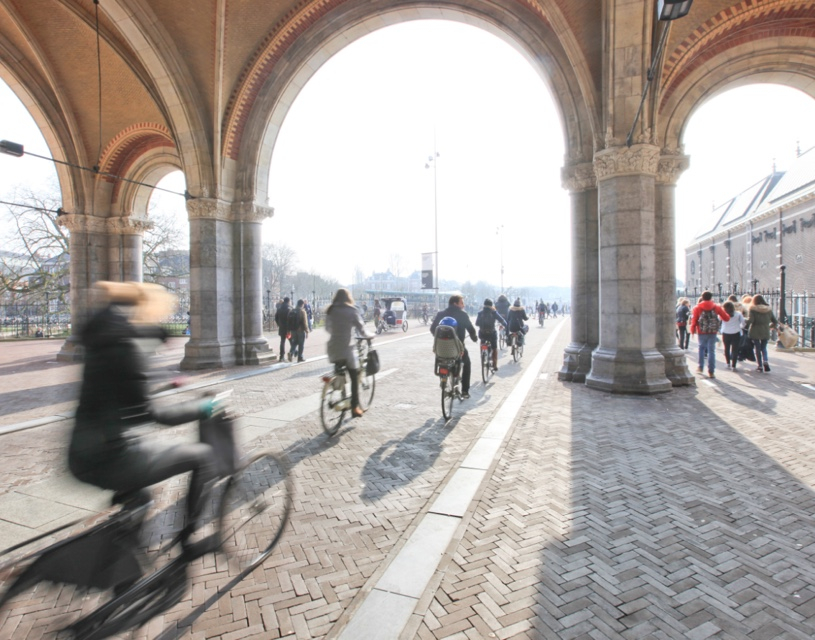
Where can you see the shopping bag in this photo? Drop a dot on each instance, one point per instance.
(787, 336)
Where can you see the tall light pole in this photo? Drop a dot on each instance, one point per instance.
(433, 160)
(500, 233)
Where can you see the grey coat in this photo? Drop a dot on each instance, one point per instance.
(340, 322)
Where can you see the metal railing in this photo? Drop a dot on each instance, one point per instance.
(798, 308)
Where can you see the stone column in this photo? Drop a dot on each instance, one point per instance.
(126, 259)
(212, 282)
(626, 359)
(671, 166)
(581, 182)
(88, 248)
(249, 338)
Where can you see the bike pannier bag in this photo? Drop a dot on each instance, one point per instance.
(372, 365)
(219, 432)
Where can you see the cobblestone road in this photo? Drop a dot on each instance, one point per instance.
(687, 515)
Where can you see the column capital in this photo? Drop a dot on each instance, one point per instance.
(620, 161)
(128, 226)
(82, 223)
(672, 164)
(209, 209)
(578, 177)
(251, 212)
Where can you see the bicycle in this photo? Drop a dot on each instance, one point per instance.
(541, 316)
(449, 371)
(250, 505)
(486, 360)
(336, 397)
(502, 337)
(516, 345)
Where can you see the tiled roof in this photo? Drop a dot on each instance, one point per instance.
(769, 192)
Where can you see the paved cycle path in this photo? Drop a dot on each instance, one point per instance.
(686, 515)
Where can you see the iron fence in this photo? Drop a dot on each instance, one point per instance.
(35, 319)
(796, 308)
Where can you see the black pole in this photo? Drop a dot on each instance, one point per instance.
(783, 308)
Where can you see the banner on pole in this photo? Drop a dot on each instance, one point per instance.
(427, 271)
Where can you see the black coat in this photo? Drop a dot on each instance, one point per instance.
(463, 327)
(114, 393)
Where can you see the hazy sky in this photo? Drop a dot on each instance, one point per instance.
(349, 183)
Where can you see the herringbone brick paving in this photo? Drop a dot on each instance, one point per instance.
(682, 516)
(688, 515)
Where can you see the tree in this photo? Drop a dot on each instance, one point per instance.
(36, 256)
(279, 261)
(162, 250)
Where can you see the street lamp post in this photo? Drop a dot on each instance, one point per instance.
(433, 160)
(500, 233)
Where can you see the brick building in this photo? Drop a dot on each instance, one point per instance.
(769, 224)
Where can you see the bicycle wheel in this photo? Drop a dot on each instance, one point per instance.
(367, 386)
(447, 396)
(520, 351)
(486, 364)
(45, 610)
(502, 339)
(142, 602)
(515, 351)
(254, 510)
(332, 405)
(404, 326)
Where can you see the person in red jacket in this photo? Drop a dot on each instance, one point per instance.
(705, 323)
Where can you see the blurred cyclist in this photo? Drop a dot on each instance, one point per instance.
(114, 398)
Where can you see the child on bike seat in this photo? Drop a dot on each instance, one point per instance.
(114, 398)
(446, 343)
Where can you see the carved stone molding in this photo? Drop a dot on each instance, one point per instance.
(620, 161)
(671, 167)
(209, 209)
(128, 226)
(251, 212)
(578, 177)
(77, 222)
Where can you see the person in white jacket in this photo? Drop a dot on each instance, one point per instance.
(731, 334)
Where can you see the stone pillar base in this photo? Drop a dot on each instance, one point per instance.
(676, 367)
(256, 352)
(628, 371)
(576, 363)
(71, 351)
(199, 354)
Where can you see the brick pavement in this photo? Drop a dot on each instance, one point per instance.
(682, 515)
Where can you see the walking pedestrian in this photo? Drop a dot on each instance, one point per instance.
(298, 326)
(281, 318)
(759, 322)
(682, 317)
(706, 320)
(731, 334)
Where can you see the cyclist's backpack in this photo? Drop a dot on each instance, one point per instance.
(446, 343)
(709, 322)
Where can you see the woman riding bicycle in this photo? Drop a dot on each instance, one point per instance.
(114, 398)
(342, 319)
(485, 321)
(515, 320)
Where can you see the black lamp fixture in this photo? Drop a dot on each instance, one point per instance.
(667, 10)
(673, 9)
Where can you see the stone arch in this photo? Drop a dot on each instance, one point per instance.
(181, 100)
(145, 153)
(55, 129)
(282, 67)
(745, 44)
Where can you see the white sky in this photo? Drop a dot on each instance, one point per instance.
(349, 184)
